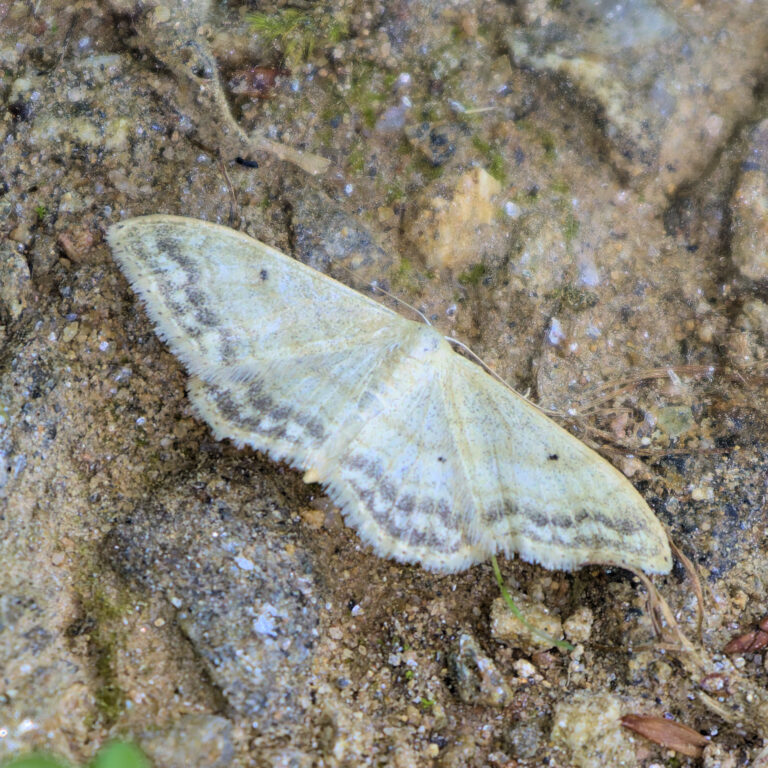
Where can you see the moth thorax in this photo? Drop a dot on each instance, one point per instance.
(426, 343)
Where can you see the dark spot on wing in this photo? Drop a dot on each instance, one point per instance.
(195, 296)
(387, 491)
(369, 467)
(282, 414)
(170, 246)
(446, 514)
(622, 525)
(498, 512)
(206, 317)
(227, 348)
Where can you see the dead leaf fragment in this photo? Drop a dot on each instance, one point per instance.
(76, 244)
(749, 642)
(254, 82)
(667, 733)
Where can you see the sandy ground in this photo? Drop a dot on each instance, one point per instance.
(577, 190)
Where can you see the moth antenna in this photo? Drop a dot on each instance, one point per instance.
(479, 360)
(376, 287)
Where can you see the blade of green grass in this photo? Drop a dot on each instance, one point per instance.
(563, 645)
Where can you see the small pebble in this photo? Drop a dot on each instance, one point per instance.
(244, 563)
(162, 14)
(525, 669)
(578, 626)
(507, 627)
(21, 234)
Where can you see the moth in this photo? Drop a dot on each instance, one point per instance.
(429, 458)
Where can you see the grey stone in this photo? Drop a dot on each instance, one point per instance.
(330, 240)
(195, 741)
(749, 205)
(475, 675)
(626, 62)
(15, 284)
(253, 629)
